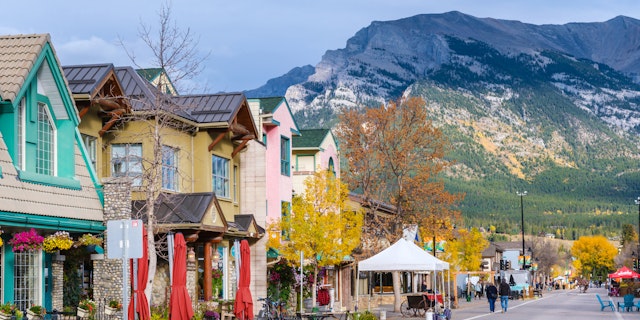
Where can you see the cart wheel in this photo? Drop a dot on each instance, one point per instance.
(422, 307)
(404, 309)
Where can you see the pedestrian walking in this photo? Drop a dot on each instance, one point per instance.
(505, 292)
(492, 295)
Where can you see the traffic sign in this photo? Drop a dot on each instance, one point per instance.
(124, 239)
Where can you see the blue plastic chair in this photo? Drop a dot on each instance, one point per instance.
(603, 305)
(627, 304)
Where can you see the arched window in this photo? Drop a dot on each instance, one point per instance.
(332, 167)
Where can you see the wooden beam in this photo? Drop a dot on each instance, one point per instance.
(115, 115)
(239, 147)
(84, 111)
(208, 290)
(217, 139)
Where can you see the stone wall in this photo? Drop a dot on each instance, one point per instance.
(108, 279)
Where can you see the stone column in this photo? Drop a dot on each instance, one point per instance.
(108, 279)
(57, 292)
(192, 280)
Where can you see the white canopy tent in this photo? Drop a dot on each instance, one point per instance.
(403, 255)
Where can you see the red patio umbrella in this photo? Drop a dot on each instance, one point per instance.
(143, 275)
(243, 307)
(180, 304)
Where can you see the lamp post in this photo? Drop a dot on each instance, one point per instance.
(638, 203)
(522, 194)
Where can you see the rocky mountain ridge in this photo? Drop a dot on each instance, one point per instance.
(550, 108)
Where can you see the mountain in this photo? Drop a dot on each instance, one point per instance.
(552, 109)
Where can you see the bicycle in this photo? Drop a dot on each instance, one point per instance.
(271, 310)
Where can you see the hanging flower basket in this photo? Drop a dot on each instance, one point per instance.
(60, 240)
(88, 239)
(82, 313)
(26, 241)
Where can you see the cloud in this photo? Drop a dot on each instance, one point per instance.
(91, 50)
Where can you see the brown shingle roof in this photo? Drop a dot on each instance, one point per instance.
(17, 56)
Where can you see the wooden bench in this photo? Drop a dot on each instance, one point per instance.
(537, 293)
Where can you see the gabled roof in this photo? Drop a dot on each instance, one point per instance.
(212, 108)
(181, 209)
(149, 74)
(87, 78)
(18, 54)
(137, 89)
(269, 105)
(310, 138)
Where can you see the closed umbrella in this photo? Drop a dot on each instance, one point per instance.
(243, 307)
(143, 275)
(180, 304)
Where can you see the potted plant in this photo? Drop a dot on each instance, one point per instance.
(6, 310)
(26, 241)
(86, 308)
(113, 307)
(36, 312)
(61, 240)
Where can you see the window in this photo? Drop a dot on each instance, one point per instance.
(235, 184)
(91, 143)
(126, 161)
(332, 167)
(285, 156)
(21, 134)
(169, 168)
(26, 279)
(45, 143)
(220, 176)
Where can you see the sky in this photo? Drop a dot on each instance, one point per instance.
(247, 42)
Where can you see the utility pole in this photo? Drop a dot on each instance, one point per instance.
(638, 249)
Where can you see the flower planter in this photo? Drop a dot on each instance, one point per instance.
(82, 313)
(34, 316)
(4, 316)
(110, 311)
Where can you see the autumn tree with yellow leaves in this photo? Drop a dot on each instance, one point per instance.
(593, 256)
(320, 225)
(394, 156)
(464, 253)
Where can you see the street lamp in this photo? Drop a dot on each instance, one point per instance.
(522, 194)
(638, 203)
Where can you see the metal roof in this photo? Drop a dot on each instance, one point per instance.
(137, 89)
(212, 108)
(18, 54)
(86, 78)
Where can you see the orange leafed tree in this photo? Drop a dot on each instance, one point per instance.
(394, 155)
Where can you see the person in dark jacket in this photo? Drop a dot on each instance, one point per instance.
(492, 295)
(505, 292)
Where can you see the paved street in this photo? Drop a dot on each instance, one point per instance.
(554, 305)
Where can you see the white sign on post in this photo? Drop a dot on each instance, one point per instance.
(124, 235)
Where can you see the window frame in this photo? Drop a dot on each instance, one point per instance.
(220, 176)
(285, 156)
(130, 161)
(46, 141)
(170, 171)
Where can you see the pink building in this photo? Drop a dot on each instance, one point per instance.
(276, 127)
(313, 150)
